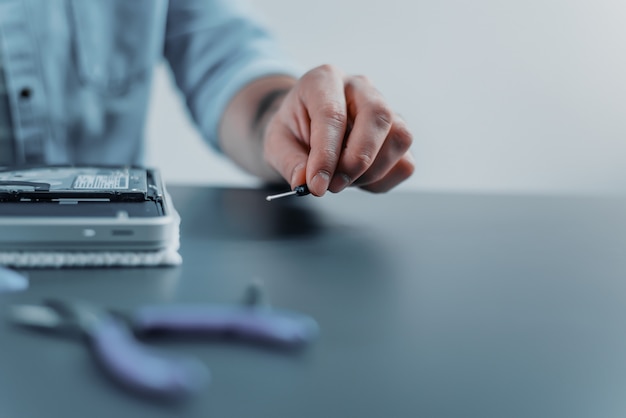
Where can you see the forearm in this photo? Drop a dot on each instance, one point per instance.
(243, 123)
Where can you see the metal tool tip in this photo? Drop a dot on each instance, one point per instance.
(278, 196)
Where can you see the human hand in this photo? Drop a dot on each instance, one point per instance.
(332, 131)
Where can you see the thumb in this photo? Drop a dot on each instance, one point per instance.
(287, 155)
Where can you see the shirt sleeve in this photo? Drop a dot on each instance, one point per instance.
(215, 48)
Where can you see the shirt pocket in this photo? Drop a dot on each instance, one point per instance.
(115, 43)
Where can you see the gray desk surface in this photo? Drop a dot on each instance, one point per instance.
(430, 305)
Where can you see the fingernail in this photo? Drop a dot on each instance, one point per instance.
(340, 182)
(298, 175)
(320, 182)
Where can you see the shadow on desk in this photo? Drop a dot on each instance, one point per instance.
(244, 214)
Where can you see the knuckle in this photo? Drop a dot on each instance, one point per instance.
(330, 157)
(360, 79)
(335, 114)
(324, 158)
(322, 71)
(402, 138)
(362, 161)
(381, 115)
(326, 68)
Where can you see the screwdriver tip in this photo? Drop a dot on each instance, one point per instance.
(298, 191)
(280, 195)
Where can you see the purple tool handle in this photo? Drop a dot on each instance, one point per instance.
(265, 325)
(138, 368)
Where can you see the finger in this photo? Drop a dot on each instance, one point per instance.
(397, 143)
(372, 121)
(403, 169)
(324, 98)
(286, 154)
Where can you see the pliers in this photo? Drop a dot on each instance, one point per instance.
(113, 337)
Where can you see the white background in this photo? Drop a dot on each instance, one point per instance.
(515, 96)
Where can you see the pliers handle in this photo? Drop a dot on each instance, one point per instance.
(256, 324)
(111, 337)
(121, 356)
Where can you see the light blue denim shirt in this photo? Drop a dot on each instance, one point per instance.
(78, 72)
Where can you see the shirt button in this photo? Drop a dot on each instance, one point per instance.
(26, 93)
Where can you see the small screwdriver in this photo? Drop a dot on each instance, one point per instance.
(301, 190)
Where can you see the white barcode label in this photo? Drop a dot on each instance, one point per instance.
(118, 180)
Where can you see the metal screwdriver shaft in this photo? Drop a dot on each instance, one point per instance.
(298, 191)
(278, 196)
